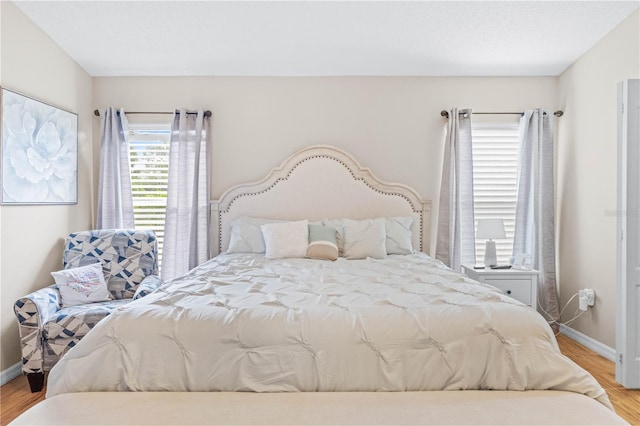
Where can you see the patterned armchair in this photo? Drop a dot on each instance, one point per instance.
(47, 330)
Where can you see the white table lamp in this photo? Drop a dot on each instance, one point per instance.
(490, 229)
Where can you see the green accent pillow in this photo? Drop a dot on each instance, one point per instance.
(322, 243)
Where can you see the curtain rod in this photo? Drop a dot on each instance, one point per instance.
(207, 113)
(445, 113)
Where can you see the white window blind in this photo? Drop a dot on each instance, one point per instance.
(495, 175)
(149, 157)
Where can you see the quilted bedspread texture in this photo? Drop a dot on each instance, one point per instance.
(240, 322)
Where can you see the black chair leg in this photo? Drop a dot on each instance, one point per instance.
(36, 381)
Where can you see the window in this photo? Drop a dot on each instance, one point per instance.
(495, 176)
(149, 159)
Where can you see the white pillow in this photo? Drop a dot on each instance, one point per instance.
(339, 227)
(399, 238)
(79, 286)
(364, 238)
(286, 239)
(246, 235)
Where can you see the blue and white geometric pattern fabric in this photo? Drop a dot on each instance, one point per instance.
(32, 311)
(147, 286)
(127, 256)
(65, 329)
(48, 332)
(76, 321)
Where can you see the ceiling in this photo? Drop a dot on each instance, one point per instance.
(300, 38)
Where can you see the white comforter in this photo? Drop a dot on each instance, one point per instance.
(244, 323)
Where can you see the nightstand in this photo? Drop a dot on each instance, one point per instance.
(521, 285)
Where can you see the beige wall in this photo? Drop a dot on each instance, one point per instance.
(586, 174)
(390, 124)
(32, 236)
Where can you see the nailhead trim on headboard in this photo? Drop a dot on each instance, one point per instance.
(365, 179)
(251, 194)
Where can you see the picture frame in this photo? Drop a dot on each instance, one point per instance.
(39, 152)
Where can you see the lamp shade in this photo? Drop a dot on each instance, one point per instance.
(490, 228)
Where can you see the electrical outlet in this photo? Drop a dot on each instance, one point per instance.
(586, 298)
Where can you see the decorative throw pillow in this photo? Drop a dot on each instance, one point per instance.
(322, 243)
(286, 239)
(79, 286)
(246, 235)
(399, 238)
(338, 225)
(364, 238)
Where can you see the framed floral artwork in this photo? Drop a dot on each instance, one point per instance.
(39, 152)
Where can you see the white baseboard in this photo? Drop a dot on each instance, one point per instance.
(596, 346)
(10, 373)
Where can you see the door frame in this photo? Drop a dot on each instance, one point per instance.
(628, 240)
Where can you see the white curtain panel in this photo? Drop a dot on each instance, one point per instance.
(115, 200)
(187, 220)
(455, 244)
(535, 209)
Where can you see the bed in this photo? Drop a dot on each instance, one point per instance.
(375, 338)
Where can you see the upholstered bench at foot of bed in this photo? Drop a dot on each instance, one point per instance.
(320, 408)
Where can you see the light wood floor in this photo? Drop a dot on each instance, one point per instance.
(16, 398)
(625, 401)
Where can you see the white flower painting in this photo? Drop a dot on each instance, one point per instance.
(39, 152)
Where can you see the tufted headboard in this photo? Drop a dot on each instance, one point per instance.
(315, 183)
